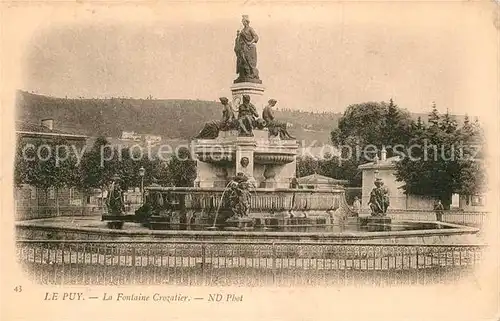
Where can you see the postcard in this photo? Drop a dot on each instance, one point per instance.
(250, 160)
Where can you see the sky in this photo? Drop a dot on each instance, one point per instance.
(337, 56)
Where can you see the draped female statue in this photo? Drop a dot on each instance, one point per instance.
(246, 53)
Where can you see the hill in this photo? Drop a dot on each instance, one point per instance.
(169, 118)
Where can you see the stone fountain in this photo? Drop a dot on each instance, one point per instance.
(246, 187)
(250, 143)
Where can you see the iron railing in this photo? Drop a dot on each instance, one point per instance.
(249, 263)
(469, 218)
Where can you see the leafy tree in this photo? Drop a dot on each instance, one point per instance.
(25, 165)
(330, 166)
(129, 164)
(472, 166)
(306, 165)
(361, 124)
(371, 123)
(181, 169)
(396, 129)
(96, 170)
(442, 163)
(45, 164)
(341, 169)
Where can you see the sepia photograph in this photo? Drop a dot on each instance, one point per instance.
(252, 146)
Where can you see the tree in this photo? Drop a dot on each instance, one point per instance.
(25, 164)
(128, 166)
(364, 129)
(472, 167)
(340, 169)
(361, 124)
(443, 163)
(181, 169)
(434, 116)
(96, 170)
(306, 165)
(396, 129)
(46, 164)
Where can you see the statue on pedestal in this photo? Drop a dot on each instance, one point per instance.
(212, 128)
(239, 196)
(275, 127)
(153, 204)
(247, 117)
(228, 117)
(379, 199)
(116, 204)
(246, 53)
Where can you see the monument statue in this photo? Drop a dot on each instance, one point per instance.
(212, 128)
(116, 204)
(274, 126)
(227, 114)
(379, 199)
(239, 196)
(246, 53)
(247, 117)
(153, 204)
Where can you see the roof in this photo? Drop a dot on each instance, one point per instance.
(388, 163)
(320, 179)
(35, 129)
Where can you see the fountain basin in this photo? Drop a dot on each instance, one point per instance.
(92, 228)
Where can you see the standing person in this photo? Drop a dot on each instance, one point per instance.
(356, 205)
(438, 208)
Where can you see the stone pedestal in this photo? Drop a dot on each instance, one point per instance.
(206, 175)
(239, 223)
(376, 223)
(269, 177)
(255, 91)
(115, 225)
(374, 220)
(268, 163)
(245, 147)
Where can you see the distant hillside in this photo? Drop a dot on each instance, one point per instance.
(109, 117)
(170, 118)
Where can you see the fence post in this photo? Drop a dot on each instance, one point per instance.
(203, 260)
(274, 262)
(133, 263)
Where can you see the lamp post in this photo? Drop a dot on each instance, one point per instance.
(142, 171)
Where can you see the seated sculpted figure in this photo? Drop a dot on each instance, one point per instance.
(211, 129)
(379, 199)
(274, 126)
(247, 117)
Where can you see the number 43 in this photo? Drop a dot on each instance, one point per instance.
(18, 289)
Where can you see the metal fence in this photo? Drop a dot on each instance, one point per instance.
(476, 219)
(248, 264)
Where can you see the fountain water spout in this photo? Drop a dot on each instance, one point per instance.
(213, 227)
